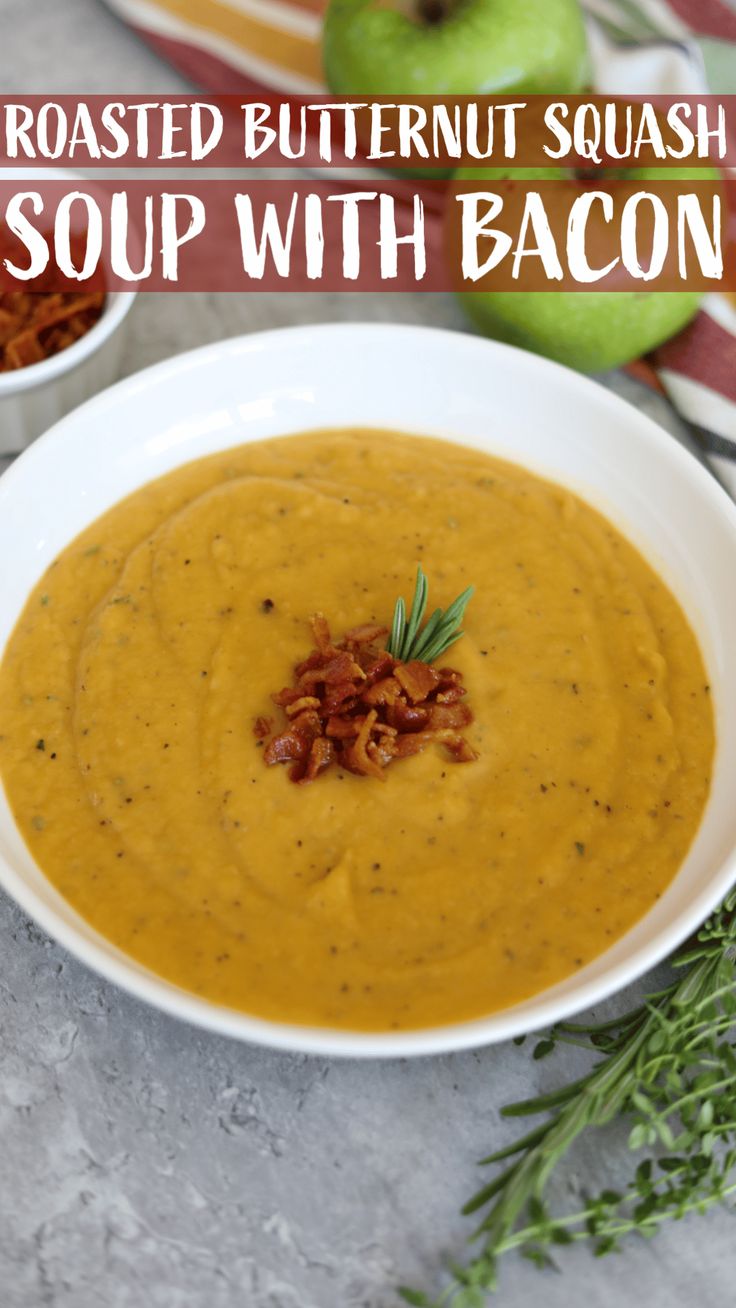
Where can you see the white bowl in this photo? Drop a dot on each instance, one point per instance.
(33, 398)
(447, 384)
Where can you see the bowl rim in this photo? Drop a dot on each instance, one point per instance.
(82, 940)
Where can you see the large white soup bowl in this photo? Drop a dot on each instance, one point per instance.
(463, 389)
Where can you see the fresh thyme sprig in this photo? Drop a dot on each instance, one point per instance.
(669, 1065)
(409, 640)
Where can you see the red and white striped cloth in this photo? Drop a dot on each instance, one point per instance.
(681, 47)
(637, 46)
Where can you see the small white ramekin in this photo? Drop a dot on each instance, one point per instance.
(34, 398)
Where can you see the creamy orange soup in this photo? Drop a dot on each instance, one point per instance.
(129, 689)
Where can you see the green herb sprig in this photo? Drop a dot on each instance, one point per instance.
(409, 640)
(669, 1066)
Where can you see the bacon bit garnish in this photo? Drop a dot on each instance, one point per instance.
(299, 705)
(262, 727)
(451, 695)
(320, 756)
(452, 716)
(321, 633)
(417, 679)
(385, 691)
(461, 750)
(343, 728)
(354, 705)
(368, 634)
(408, 717)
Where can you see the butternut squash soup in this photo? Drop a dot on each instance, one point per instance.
(443, 891)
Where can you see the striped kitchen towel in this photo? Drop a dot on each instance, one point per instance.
(675, 47)
(235, 45)
(668, 47)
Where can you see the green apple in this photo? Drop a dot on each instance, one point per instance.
(588, 330)
(592, 331)
(454, 47)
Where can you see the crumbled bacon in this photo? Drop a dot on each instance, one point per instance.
(299, 705)
(354, 705)
(418, 680)
(36, 325)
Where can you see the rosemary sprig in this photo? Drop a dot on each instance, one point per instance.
(409, 640)
(669, 1066)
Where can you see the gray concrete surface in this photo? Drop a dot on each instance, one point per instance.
(145, 1164)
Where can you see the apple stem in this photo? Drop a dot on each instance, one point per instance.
(433, 11)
